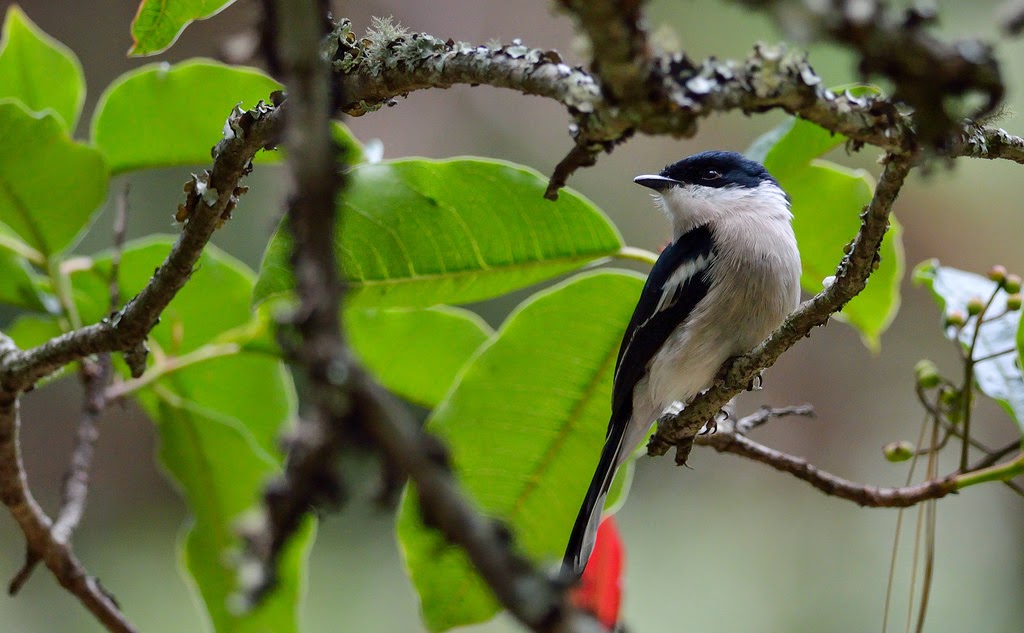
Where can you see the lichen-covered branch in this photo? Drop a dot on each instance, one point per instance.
(679, 92)
(850, 279)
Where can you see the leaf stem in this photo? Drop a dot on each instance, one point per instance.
(1000, 472)
(169, 365)
(18, 247)
(61, 281)
(637, 255)
(968, 386)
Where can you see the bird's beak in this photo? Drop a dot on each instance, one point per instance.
(658, 183)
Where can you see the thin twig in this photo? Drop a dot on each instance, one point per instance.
(967, 388)
(727, 441)
(94, 375)
(766, 414)
(36, 526)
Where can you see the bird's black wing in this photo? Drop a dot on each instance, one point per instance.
(676, 284)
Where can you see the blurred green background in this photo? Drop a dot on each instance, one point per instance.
(725, 546)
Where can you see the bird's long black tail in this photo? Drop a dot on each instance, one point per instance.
(584, 532)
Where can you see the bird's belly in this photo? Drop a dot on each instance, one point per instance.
(682, 369)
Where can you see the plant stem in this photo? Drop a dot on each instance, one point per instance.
(967, 391)
(170, 365)
(637, 255)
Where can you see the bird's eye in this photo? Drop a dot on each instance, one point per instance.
(710, 174)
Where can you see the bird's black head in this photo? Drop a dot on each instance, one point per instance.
(710, 169)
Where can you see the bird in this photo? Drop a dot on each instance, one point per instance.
(728, 278)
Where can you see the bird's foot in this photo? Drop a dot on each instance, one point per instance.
(755, 383)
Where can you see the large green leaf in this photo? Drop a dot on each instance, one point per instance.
(525, 426)
(417, 354)
(827, 202)
(998, 377)
(219, 420)
(422, 232)
(161, 115)
(158, 23)
(39, 71)
(50, 186)
(220, 471)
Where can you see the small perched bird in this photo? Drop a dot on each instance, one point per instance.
(729, 277)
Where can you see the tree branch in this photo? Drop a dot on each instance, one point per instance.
(728, 440)
(376, 69)
(730, 437)
(42, 541)
(851, 277)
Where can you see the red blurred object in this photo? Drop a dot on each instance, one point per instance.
(600, 589)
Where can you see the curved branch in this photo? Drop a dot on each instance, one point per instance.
(730, 437)
(374, 70)
(727, 441)
(43, 542)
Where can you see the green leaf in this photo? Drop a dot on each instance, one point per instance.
(998, 377)
(221, 471)
(525, 426)
(158, 23)
(219, 420)
(827, 202)
(417, 233)
(39, 71)
(161, 115)
(417, 354)
(51, 186)
(352, 151)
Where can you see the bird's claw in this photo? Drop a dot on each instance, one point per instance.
(755, 383)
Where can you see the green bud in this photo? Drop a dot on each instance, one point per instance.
(1013, 302)
(975, 306)
(956, 318)
(997, 274)
(950, 397)
(898, 451)
(927, 374)
(1012, 284)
